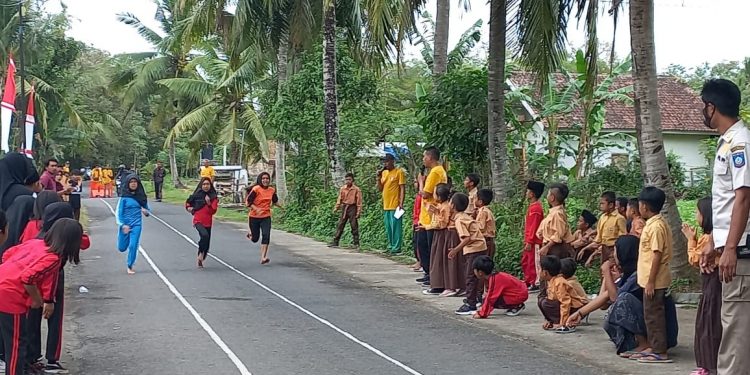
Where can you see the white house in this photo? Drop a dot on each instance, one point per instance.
(681, 120)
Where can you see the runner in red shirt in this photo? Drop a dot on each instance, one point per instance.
(203, 204)
(28, 276)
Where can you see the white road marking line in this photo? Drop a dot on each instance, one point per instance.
(295, 305)
(206, 327)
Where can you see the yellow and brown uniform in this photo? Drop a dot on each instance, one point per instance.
(350, 203)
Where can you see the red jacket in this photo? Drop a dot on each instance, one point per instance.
(417, 210)
(205, 215)
(31, 231)
(34, 227)
(534, 217)
(505, 286)
(29, 263)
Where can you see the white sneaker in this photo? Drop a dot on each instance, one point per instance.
(2, 366)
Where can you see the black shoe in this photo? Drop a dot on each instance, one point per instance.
(516, 310)
(333, 245)
(534, 289)
(432, 291)
(426, 283)
(466, 309)
(423, 279)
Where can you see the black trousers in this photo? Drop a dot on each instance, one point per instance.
(260, 228)
(54, 328)
(13, 332)
(205, 238)
(157, 188)
(424, 244)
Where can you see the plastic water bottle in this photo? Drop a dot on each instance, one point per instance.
(83, 289)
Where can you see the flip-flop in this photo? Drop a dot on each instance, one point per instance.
(654, 358)
(628, 354)
(265, 261)
(638, 355)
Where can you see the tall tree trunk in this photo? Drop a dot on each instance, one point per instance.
(583, 144)
(442, 22)
(496, 127)
(653, 156)
(282, 55)
(551, 147)
(330, 110)
(173, 166)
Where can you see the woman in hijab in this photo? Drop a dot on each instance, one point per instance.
(133, 204)
(43, 199)
(51, 214)
(14, 170)
(624, 321)
(262, 196)
(202, 204)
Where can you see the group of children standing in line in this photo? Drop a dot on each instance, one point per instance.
(454, 244)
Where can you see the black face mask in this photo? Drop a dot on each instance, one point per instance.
(706, 118)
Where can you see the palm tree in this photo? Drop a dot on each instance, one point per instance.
(442, 23)
(169, 61)
(496, 128)
(648, 124)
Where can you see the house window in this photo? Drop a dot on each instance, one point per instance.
(619, 160)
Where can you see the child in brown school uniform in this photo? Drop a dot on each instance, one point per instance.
(568, 269)
(655, 252)
(455, 268)
(472, 246)
(584, 234)
(621, 206)
(611, 225)
(350, 204)
(636, 221)
(554, 231)
(441, 217)
(561, 299)
(471, 184)
(708, 330)
(486, 219)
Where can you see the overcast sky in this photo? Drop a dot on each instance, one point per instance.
(688, 32)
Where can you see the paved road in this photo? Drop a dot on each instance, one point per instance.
(238, 317)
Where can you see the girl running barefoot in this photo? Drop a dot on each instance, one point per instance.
(203, 204)
(261, 198)
(133, 203)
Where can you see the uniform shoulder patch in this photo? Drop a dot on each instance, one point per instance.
(738, 148)
(739, 159)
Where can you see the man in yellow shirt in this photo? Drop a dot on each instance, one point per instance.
(207, 170)
(392, 183)
(427, 185)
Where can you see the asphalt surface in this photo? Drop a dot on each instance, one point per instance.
(239, 317)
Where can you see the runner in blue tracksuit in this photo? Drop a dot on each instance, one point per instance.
(133, 204)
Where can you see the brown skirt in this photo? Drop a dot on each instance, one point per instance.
(455, 275)
(437, 263)
(708, 323)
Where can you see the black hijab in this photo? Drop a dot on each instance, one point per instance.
(15, 168)
(627, 254)
(52, 213)
(18, 215)
(139, 194)
(44, 199)
(198, 199)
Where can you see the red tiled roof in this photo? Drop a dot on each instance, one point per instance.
(681, 107)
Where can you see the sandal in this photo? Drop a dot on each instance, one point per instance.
(628, 354)
(638, 355)
(654, 358)
(548, 326)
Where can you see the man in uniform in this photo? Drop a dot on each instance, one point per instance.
(392, 184)
(731, 204)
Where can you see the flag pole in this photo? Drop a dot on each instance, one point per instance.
(21, 120)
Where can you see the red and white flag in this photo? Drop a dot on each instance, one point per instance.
(8, 106)
(30, 122)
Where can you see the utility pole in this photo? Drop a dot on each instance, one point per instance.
(21, 119)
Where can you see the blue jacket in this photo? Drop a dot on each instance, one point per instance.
(129, 212)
